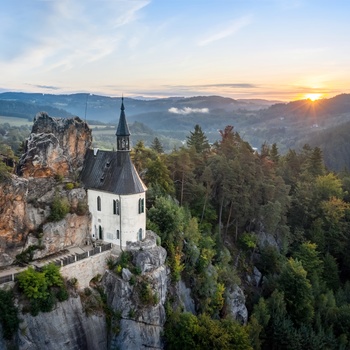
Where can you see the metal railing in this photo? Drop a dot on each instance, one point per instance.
(64, 261)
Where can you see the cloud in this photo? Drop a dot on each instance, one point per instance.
(231, 29)
(187, 110)
(233, 86)
(50, 87)
(64, 34)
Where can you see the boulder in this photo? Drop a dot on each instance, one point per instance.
(235, 301)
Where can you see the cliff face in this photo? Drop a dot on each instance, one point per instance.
(54, 151)
(55, 147)
(138, 298)
(67, 327)
(142, 320)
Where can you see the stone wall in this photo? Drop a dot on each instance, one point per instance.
(84, 270)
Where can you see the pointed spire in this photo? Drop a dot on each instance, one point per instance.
(123, 129)
(123, 133)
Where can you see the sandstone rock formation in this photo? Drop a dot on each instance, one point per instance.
(141, 324)
(66, 327)
(55, 147)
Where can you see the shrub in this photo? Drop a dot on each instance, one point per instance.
(47, 304)
(69, 186)
(62, 294)
(33, 284)
(52, 275)
(146, 295)
(59, 208)
(27, 255)
(82, 208)
(40, 287)
(111, 263)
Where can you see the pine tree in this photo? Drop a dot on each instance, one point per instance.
(198, 140)
(157, 146)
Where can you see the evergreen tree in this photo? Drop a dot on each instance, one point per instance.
(198, 140)
(157, 146)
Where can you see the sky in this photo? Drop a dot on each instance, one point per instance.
(270, 49)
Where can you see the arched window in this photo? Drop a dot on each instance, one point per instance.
(141, 205)
(98, 203)
(116, 207)
(140, 234)
(118, 234)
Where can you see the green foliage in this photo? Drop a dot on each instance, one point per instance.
(42, 288)
(309, 257)
(52, 275)
(168, 219)
(82, 208)
(157, 146)
(146, 294)
(158, 174)
(59, 208)
(27, 255)
(33, 284)
(62, 294)
(5, 172)
(69, 186)
(248, 241)
(8, 314)
(297, 291)
(198, 140)
(187, 331)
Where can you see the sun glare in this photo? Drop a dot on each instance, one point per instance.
(313, 97)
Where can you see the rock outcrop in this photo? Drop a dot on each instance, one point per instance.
(24, 213)
(55, 147)
(66, 327)
(54, 150)
(142, 320)
(235, 301)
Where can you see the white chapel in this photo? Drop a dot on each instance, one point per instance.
(116, 194)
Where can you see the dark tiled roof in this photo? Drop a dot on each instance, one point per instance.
(123, 129)
(111, 172)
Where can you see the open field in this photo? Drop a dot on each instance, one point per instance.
(13, 121)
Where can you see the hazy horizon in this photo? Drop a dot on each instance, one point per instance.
(255, 49)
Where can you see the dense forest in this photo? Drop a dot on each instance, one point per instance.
(225, 210)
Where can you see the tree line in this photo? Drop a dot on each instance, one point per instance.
(223, 209)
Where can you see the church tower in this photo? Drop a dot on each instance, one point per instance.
(123, 133)
(116, 194)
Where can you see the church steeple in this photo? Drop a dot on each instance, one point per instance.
(123, 133)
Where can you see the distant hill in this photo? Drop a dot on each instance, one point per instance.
(335, 146)
(13, 108)
(106, 109)
(258, 121)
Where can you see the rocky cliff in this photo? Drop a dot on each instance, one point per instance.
(55, 147)
(134, 300)
(140, 299)
(67, 327)
(53, 156)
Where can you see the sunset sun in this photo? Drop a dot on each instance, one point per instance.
(313, 96)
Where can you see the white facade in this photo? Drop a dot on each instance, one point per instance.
(117, 218)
